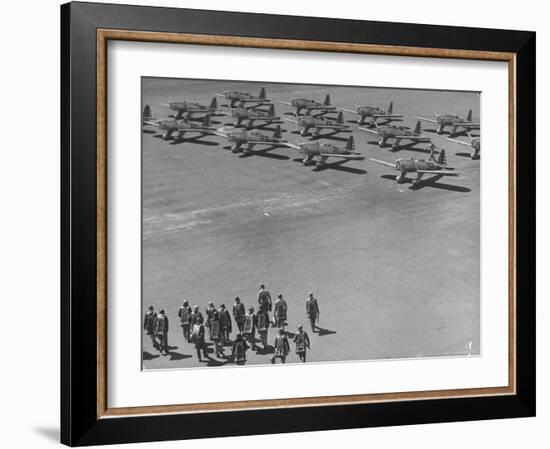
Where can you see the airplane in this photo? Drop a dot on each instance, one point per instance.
(307, 122)
(374, 113)
(323, 151)
(452, 120)
(189, 108)
(236, 97)
(420, 166)
(474, 142)
(171, 125)
(252, 115)
(398, 133)
(250, 138)
(309, 105)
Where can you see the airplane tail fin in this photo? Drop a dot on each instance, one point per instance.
(418, 128)
(340, 118)
(327, 100)
(262, 94)
(469, 117)
(442, 159)
(390, 108)
(147, 115)
(214, 103)
(206, 121)
(272, 109)
(277, 133)
(350, 146)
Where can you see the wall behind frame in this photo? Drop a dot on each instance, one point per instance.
(29, 188)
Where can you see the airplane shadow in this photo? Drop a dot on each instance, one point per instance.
(411, 147)
(149, 356)
(265, 152)
(338, 166)
(149, 131)
(464, 154)
(321, 332)
(431, 182)
(333, 136)
(196, 140)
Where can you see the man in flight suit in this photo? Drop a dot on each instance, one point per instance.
(282, 347)
(312, 311)
(161, 331)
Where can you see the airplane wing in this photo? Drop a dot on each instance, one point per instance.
(290, 145)
(389, 164)
(289, 120)
(165, 104)
(284, 102)
(369, 130)
(347, 110)
(439, 172)
(469, 125)
(150, 122)
(321, 106)
(335, 126)
(219, 95)
(266, 142)
(461, 142)
(219, 133)
(343, 156)
(424, 119)
(387, 116)
(415, 138)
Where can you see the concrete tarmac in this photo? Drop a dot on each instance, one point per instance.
(396, 270)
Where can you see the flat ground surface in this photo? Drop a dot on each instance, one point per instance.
(396, 270)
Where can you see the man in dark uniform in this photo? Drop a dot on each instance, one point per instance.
(301, 338)
(282, 347)
(239, 349)
(312, 311)
(279, 313)
(262, 323)
(149, 325)
(197, 337)
(161, 331)
(238, 313)
(215, 333)
(264, 299)
(225, 324)
(249, 327)
(210, 310)
(184, 314)
(196, 317)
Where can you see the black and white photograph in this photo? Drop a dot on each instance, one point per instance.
(302, 223)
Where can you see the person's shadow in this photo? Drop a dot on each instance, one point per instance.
(149, 356)
(321, 332)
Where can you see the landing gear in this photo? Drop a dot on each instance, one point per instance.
(401, 178)
(308, 160)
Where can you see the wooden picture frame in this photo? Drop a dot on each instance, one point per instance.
(86, 29)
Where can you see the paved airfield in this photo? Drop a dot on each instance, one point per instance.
(395, 270)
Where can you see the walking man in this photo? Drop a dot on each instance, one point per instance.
(262, 322)
(149, 325)
(301, 339)
(264, 299)
(279, 313)
(239, 349)
(216, 333)
(238, 313)
(184, 314)
(312, 311)
(210, 310)
(197, 337)
(282, 347)
(161, 331)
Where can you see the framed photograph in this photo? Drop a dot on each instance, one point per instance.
(283, 224)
